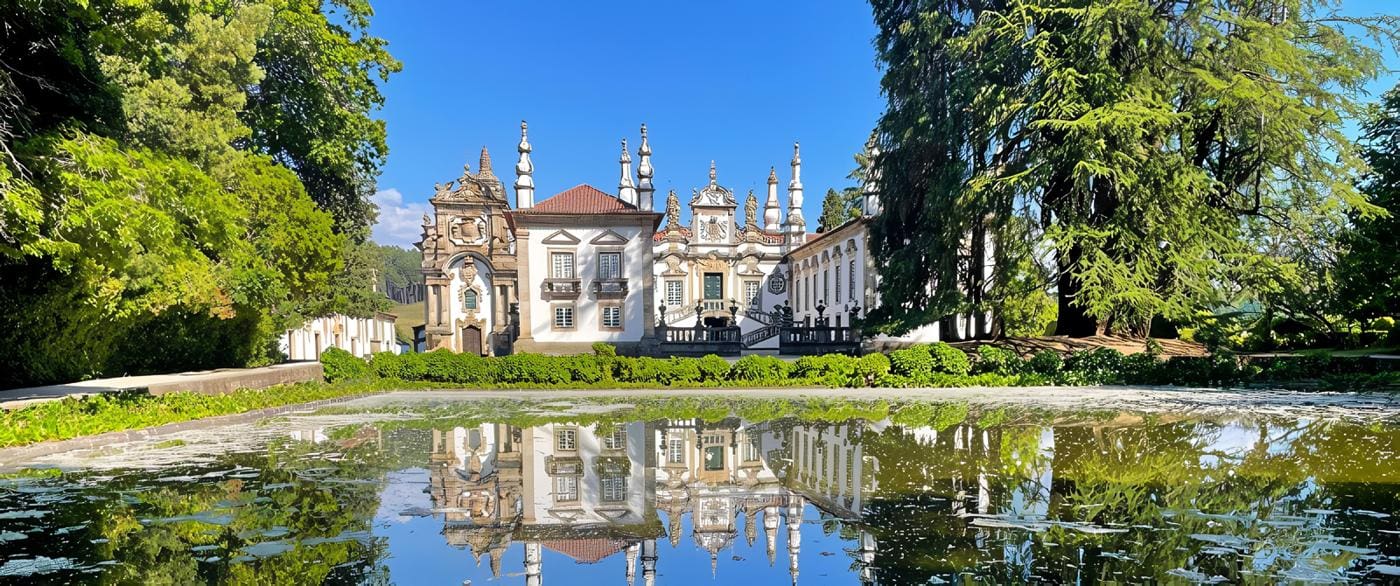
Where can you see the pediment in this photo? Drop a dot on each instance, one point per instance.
(561, 237)
(609, 237)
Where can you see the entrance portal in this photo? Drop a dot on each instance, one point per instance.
(471, 340)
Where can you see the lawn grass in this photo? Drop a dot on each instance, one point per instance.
(410, 316)
(74, 417)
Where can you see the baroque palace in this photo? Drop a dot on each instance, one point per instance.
(586, 266)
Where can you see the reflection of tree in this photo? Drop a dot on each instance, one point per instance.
(304, 518)
(1172, 498)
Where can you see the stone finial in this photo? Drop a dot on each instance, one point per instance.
(772, 175)
(524, 172)
(645, 172)
(626, 191)
(485, 163)
(713, 175)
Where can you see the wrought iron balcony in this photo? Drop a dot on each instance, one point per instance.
(553, 289)
(609, 288)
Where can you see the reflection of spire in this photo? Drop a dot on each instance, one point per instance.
(496, 562)
(673, 528)
(631, 564)
(649, 562)
(532, 563)
(751, 525)
(770, 532)
(794, 536)
(714, 564)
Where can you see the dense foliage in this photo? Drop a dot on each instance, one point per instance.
(1168, 157)
(180, 181)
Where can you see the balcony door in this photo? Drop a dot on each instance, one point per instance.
(714, 285)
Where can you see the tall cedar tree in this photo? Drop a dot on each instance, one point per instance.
(1159, 148)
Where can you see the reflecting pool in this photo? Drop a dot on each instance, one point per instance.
(717, 491)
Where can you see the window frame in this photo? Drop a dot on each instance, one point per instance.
(612, 488)
(560, 434)
(554, 317)
(608, 254)
(566, 489)
(554, 266)
(603, 317)
(680, 292)
(471, 300)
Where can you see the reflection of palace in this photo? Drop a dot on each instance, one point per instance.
(591, 493)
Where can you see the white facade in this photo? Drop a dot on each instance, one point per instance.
(359, 336)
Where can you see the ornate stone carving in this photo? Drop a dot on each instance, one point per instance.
(467, 231)
(673, 211)
(751, 212)
(714, 230)
(777, 284)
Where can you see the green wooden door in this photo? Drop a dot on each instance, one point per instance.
(714, 286)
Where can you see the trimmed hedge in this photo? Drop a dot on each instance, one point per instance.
(926, 365)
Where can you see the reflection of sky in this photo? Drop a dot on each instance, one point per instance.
(419, 554)
(1235, 439)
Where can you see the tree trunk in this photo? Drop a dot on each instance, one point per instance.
(1072, 321)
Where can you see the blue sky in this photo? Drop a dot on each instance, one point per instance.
(736, 82)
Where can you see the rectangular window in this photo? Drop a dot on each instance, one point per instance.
(826, 286)
(673, 294)
(610, 265)
(563, 317)
(616, 440)
(565, 489)
(563, 263)
(797, 294)
(751, 449)
(469, 299)
(614, 488)
(566, 440)
(853, 280)
(838, 282)
(675, 452)
(612, 317)
(751, 292)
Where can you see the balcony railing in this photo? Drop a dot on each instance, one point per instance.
(609, 288)
(819, 340)
(553, 289)
(699, 341)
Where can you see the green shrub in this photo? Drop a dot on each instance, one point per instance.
(820, 366)
(949, 360)
(387, 365)
(340, 365)
(589, 369)
(871, 367)
(758, 368)
(688, 370)
(1093, 367)
(999, 360)
(604, 349)
(1045, 363)
(712, 367)
(915, 363)
(532, 368)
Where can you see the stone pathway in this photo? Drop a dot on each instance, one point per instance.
(201, 381)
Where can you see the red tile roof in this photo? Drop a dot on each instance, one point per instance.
(587, 551)
(581, 199)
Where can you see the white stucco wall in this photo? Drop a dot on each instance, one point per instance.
(587, 315)
(359, 336)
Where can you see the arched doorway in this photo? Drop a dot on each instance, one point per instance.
(471, 340)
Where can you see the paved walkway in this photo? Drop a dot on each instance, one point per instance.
(200, 381)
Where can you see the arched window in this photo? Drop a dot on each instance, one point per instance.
(469, 299)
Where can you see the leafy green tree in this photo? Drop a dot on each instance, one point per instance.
(400, 266)
(1368, 271)
(838, 207)
(1160, 148)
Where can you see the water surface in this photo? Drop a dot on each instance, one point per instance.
(715, 491)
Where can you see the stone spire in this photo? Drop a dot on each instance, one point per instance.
(485, 164)
(673, 210)
(794, 537)
(796, 226)
(870, 191)
(524, 173)
(645, 189)
(625, 190)
(713, 174)
(772, 212)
